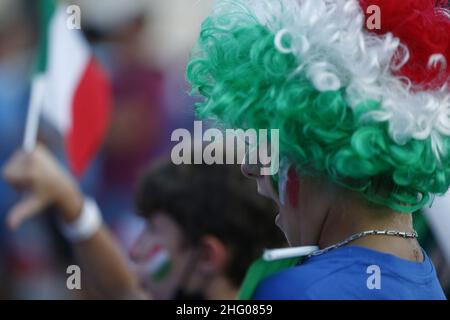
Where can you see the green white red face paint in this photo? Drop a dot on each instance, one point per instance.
(159, 263)
(293, 187)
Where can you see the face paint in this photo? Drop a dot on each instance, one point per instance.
(292, 188)
(159, 263)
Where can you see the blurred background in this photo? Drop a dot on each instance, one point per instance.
(144, 46)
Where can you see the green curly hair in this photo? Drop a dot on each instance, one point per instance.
(245, 82)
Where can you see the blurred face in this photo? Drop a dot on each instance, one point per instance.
(302, 210)
(161, 257)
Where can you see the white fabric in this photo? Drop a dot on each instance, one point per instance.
(286, 253)
(438, 217)
(86, 225)
(68, 58)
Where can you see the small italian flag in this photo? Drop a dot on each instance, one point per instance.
(69, 89)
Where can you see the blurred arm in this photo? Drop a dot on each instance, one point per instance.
(47, 183)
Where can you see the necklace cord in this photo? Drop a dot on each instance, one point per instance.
(391, 233)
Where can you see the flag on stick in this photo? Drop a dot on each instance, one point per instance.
(69, 89)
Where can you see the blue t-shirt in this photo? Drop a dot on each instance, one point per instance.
(354, 273)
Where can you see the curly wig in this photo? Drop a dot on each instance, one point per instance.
(363, 108)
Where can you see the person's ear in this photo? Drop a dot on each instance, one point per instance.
(213, 256)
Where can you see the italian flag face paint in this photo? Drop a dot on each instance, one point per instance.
(76, 93)
(159, 263)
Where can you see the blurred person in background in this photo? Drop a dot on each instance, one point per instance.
(15, 62)
(117, 37)
(28, 269)
(139, 132)
(208, 222)
(205, 225)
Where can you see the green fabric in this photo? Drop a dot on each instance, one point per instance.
(46, 11)
(260, 270)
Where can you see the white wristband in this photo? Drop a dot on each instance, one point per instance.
(87, 224)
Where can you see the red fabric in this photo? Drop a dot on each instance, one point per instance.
(424, 30)
(90, 117)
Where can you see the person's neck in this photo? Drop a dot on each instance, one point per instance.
(352, 217)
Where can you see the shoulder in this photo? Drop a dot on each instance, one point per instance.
(353, 273)
(305, 281)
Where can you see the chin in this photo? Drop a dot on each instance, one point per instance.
(265, 189)
(279, 222)
(262, 190)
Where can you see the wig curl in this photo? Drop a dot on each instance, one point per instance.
(369, 110)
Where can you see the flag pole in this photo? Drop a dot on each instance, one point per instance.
(34, 111)
(35, 104)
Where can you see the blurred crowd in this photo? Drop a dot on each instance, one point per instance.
(144, 46)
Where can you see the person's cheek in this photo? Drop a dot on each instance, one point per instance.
(158, 264)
